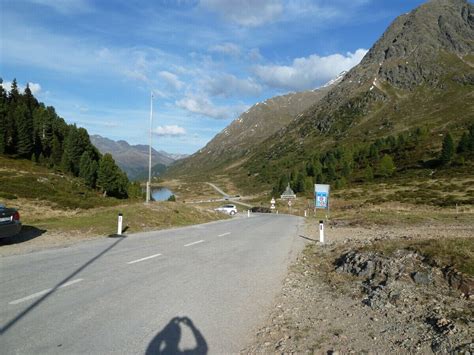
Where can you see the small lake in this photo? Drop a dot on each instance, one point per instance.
(161, 193)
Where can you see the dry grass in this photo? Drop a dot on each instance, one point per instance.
(60, 228)
(188, 190)
(456, 252)
(137, 217)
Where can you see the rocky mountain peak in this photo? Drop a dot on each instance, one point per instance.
(438, 24)
(407, 53)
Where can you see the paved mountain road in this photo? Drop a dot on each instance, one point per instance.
(204, 287)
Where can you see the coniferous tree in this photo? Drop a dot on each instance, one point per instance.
(88, 169)
(346, 169)
(308, 184)
(299, 183)
(43, 130)
(56, 151)
(331, 171)
(310, 169)
(110, 179)
(386, 166)
(10, 121)
(391, 142)
(14, 96)
(3, 117)
(24, 131)
(466, 144)
(29, 99)
(281, 185)
(76, 142)
(369, 173)
(447, 150)
(463, 145)
(401, 141)
(318, 169)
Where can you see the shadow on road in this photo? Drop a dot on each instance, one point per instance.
(53, 290)
(167, 341)
(26, 233)
(313, 240)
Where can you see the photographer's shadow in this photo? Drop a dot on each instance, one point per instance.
(167, 341)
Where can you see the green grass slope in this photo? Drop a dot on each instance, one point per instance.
(23, 179)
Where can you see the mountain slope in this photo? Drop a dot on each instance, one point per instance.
(133, 159)
(418, 75)
(237, 142)
(420, 72)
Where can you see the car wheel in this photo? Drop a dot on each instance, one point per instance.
(232, 213)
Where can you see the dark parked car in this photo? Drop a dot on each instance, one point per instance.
(9, 222)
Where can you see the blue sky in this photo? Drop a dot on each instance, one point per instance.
(206, 61)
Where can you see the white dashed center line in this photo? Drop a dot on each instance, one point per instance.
(41, 293)
(143, 259)
(224, 234)
(199, 241)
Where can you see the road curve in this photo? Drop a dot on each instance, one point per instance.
(204, 288)
(217, 189)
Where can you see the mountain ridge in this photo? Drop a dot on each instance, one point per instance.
(419, 74)
(256, 124)
(133, 159)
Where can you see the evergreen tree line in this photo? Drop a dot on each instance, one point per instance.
(366, 162)
(31, 130)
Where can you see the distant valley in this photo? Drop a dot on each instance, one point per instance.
(133, 159)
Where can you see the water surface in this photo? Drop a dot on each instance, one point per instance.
(161, 193)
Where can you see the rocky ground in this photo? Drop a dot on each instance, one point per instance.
(344, 297)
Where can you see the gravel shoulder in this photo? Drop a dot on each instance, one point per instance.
(344, 298)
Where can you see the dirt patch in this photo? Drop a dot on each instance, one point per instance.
(347, 297)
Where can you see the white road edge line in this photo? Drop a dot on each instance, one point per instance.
(41, 293)
(143, 259)
(199, 241)
(223, 234)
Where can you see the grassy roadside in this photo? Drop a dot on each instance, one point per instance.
(51, 202)
(444, 236)
(45, 228)
(455, 252)
(137, 217)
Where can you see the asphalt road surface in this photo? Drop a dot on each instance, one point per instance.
(200, 289)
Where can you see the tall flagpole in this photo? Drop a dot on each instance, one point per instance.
(148, 185)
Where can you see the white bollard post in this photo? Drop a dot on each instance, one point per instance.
(248, 213)
(119, 227)
(321, 231)
(305, 213)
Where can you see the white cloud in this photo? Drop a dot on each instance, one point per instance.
(201, 105)
(171, 79)
(171, 130)
(308, 73)
(97, 123)
(227, 48)
(72, 56)
(228, 85)
(34, 87)
(254, 55)
(65, 7)
(248, 13)
(136, 75)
